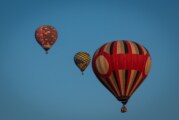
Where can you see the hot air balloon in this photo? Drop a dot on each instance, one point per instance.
(46, 36)
(82, 60)
(121, 66)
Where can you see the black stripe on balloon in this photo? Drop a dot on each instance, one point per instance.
(111, 47)
(146, 50)
(126, 80)
(115, 78)
(125, 47)
(142, 80)
(135, 80)
(139, 48)
(105, 84)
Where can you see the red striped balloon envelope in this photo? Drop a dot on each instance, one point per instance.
(121, 66)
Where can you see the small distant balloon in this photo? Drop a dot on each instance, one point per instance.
(46, 36)
(82, 60)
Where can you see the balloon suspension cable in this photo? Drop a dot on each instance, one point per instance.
(46, 52)
(123, 109)
(82, 73)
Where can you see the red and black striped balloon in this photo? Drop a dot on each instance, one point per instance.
(121, 66)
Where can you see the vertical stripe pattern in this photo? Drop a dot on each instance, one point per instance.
(121, 66)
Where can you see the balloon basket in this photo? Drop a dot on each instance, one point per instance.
(123, 109)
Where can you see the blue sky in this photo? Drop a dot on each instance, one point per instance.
(36, 86)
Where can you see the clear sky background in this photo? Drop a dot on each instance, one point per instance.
(36, 86)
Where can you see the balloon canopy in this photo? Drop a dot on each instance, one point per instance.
(46, 36)
(82, 60)
(121, 66)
